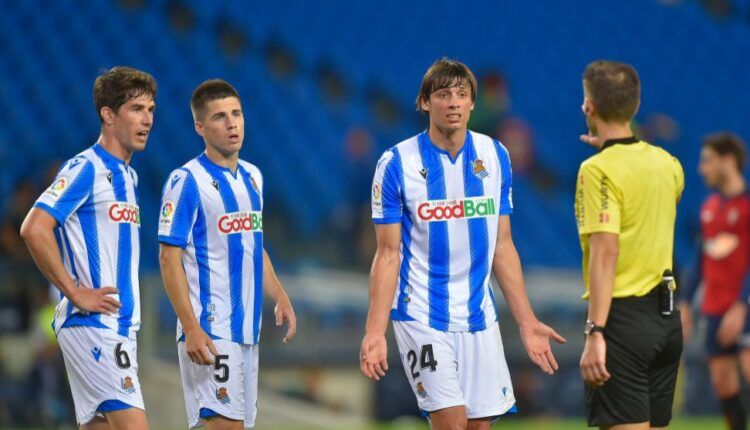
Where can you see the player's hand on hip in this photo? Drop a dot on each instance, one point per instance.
(373, 356)
(535, 338)
(686, 317)
(594, 361)
(199, 346)
(95, 300)
(284, 312)
(731, 325)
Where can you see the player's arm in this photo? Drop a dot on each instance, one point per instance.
(383, 280)
(604, 249)
(38, 231)
(198, 344)
(283, 309)
(507, 268)
(734, 319)
(689, 287)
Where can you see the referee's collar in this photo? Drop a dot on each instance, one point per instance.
(622, 140)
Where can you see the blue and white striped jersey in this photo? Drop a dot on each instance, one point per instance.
(216, 217)
(94, 200)
(449, 212)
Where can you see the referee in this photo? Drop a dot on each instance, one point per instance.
(625, 205)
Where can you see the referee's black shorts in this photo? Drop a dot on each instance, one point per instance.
(643, 354)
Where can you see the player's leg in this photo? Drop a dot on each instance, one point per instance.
(453, 418)
(486, 384)
(430, 363)
(214, 395)
(98, 423)
(624, 399)
(102, 370)
(480, 424)
(725, 378)
(662, 374)
(127, 419)
(222, 423)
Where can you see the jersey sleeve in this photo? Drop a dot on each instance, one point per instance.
(597, 202)
(506, 179)
(386, 189)
(73, 184)
(179, 208)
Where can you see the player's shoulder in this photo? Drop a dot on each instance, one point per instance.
(407, 148)
(250, 168)
(483, 141)
(488, 145)
(81, 163)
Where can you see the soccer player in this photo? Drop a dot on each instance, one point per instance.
(723, 266)
(440, 203)
(84, 235)
(215, 268)
(625, 206)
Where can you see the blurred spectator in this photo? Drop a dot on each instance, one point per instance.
(181, 17)
(491, 104)
(280, 59)
(518, 138)
(659, 128)
(718, 8)
(383, 107)
(232, 39)
(332, 83)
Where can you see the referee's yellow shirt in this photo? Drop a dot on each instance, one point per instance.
(630, 188)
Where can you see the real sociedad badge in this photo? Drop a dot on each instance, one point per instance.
(479, 170)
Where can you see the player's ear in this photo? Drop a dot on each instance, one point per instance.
(587, 107)
(424, 104)
(199, 128)
(108, 115)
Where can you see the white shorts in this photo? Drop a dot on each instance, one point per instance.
(228, 388)
(448, 369)
(102, 366)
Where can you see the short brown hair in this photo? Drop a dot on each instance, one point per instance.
(445, 73)
(212, 89)
(116, 86)
(614, 88)
(727, 143)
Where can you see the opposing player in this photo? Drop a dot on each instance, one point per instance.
(440, 203)
(215, 268)
(84, 234)
(724, 260)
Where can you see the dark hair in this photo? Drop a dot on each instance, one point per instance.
(119, 84)
(445, 73)
(614, 88)
(727, 143)
(212, 89)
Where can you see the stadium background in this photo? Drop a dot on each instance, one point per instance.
(326, 87)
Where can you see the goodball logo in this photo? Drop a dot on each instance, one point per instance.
(240, 222)
(443, 210)
(125, 213)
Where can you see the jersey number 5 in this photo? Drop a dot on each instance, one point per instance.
(222, 369)
(426, 360)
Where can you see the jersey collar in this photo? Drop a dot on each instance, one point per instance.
(106, 156)
(619, 140)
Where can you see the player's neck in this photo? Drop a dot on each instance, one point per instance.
(110, 144)
(607, 131)
(451, 141)
(229, 162)
(733, 186)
